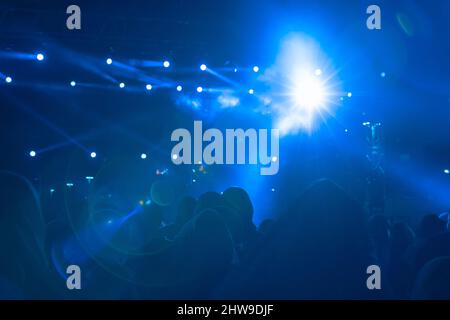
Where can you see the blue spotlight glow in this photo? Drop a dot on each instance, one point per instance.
(179, 88)
(93, 154)
(447, 171)
(40, 57)
(203, 67)
(235, 70)
(8, 79)
(199, 89)
(383, 74)
(73, 83)
(148, 87)
(109, 61)
(32, 153)
(166, 64)
(251, 91)
(143, 156)
(349, 94)
(255, 69)
(122, 85)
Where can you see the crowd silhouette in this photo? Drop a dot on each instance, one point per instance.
(319, 247)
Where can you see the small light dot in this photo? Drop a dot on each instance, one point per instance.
(203, 67)
(251, 91)
(73, 83)
(143, 156)
(179, 88)
(166, 64)
(148, 87)
(109, 61)
(40, 57)
(199, 89)
(193, 180)
(174, 156)
(383, 74)
(274, 159)
(122, 85)
(318, 72)
(93, 154)
(32, 153)
(273, 189)
(255, 69)
(447, 171)
(346, 130)
(8, 79)
(349, 94)
(235, 70)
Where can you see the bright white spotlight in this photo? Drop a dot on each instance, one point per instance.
(447, 171)
(174, 156)
(203, 67)
(73, 83)
(349, 94)
(148, 87)
(8, 79)
(109, 61)
(32, 153)
(318, 72)
(251, 91)
(143, 156)
(40, 57)
(122, 85)
(255, 69)
(179, 88)
(166, 64)
(309, 93)
(199, 89)
(93, 154)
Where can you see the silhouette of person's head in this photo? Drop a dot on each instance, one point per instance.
(240, 201)
(430, 225)
(208, 200)
(432, 282)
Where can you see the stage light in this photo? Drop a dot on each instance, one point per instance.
(318, 72)
(40, 57)
(143, 156)
(255, 69)
(383, 74)
(122, 85)
(179, 88)
(349, 94)
(174, 156)
(73, 83)
(309, 93)
(251, 91)
(148, 87)
(273, 189)
(345, 130)
(32, 153)
(203, 67)
(69, 184)
(89, 178)
(8, 79)
(109, 61)
(447, 171)
(166, 64)
(199, 89)
(235, 70)
(93, 154)
(274, 159)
